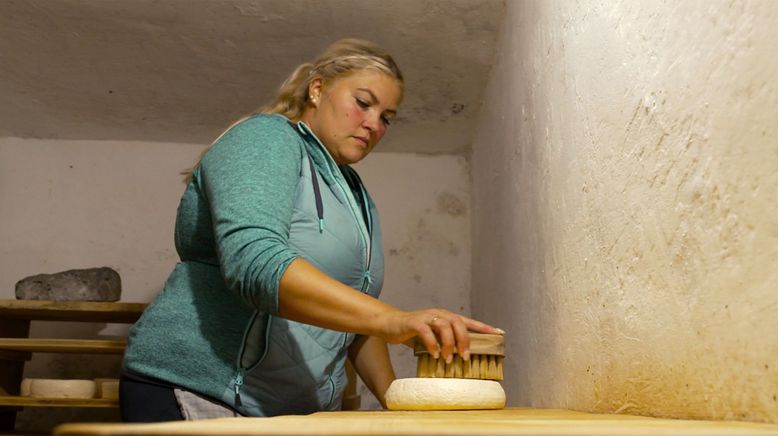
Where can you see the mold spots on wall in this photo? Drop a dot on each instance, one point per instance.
(429, 233)
(652, 101)
(425, 239)
(450, 204)
(428, 244)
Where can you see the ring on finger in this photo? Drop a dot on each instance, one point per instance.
(434, 318)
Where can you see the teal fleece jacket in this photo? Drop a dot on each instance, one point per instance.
(248, 212)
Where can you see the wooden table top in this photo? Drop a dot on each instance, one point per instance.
(513, 421)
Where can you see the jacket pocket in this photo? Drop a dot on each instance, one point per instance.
(294, 375)
(254, 345)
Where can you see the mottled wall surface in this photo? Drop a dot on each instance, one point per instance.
(78, 204)
(625, 200)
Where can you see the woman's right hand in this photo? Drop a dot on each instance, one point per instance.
(435, 328)
(306, 294)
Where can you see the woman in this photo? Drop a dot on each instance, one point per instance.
(281, 262)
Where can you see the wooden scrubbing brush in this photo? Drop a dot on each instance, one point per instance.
(486, 355)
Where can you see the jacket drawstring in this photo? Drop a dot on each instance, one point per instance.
(317, 194)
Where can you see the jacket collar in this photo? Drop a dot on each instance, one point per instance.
(319, 153)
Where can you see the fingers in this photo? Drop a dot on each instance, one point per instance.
(442, 333)
(480, 327)
(427, 338)
(452, 333)
(463, 339)
(442, 327)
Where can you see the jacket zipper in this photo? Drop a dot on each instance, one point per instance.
(332, 392)
(238, 384)
(369, 230)
(238, 379)
(363, 231)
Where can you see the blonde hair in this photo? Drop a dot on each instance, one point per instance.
(341, 58)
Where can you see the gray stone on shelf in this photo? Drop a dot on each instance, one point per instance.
(92, 284)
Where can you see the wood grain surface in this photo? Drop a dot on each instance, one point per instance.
(84, 311)
(480, 343)
(9, 400)
(511, 421)
(93, 346)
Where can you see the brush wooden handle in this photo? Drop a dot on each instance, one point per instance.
(480, 343)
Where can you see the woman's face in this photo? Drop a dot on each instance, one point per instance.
(351, 114)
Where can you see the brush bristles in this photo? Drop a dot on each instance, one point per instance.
(480, 366)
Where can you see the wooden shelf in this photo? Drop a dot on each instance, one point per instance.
(56, 402)
(82, 311)
(16, 347)
(89, 346)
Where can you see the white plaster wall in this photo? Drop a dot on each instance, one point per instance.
(82, 204)
(79, 204)
(625, 227)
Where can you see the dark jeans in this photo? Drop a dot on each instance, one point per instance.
(144, 400)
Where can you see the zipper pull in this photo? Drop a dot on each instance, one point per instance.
(321, 225)
(238, 384)
(368, 280)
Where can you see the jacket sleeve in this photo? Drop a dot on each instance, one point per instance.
(250, 177)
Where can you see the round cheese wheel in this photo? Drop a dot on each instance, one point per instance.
(444, 394)
(50, 388)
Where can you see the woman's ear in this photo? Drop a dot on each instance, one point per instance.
(314, 91)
